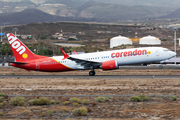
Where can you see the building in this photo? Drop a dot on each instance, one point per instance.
(119, 40)
(65, 36)
(150, 40)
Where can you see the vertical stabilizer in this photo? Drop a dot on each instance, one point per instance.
(20, 51)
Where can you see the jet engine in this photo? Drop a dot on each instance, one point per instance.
(109, 65)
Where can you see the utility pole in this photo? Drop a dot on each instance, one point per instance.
(175, 44)
(1, 33)
(175, 29)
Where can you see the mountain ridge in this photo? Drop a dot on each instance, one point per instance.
(32, 16)
(59, 10)
(175, 14)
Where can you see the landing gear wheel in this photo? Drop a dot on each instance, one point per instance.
(92, 73)
(161, 67)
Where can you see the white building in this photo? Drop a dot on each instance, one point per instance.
(150, 40)
(119, 40)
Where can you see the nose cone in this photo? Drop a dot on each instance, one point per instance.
(173, 54)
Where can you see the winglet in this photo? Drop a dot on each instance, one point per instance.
(75, 52)
(64, 53)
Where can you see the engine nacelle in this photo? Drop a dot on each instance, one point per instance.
(109, 65)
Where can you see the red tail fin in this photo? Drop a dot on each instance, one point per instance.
(20, 51)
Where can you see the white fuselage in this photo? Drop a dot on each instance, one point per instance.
(123, 57)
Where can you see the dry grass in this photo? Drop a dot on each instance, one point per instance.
(118, 107)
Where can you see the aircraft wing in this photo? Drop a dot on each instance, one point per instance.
(85, 63)
(82, 62)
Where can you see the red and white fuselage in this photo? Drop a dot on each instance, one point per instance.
(105, 60)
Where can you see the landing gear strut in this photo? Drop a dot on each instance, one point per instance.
(92, 73)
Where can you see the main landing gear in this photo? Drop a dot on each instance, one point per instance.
(92, 73)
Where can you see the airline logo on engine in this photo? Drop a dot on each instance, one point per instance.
(14, 42)
(130, 53)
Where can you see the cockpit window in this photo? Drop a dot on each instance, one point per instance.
(166, 50)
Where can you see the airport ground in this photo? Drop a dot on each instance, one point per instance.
(116, 91)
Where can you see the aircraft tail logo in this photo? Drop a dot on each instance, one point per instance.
(20, 51)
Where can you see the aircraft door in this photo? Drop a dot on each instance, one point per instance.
(37, 65)
(157, 53)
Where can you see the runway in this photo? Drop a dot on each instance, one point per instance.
(152, 66)
(89, 77)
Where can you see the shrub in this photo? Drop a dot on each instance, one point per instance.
(17, 101)
(31, 102)
(139, 98)
(66, 103)
(1, 99)
(41, 101)
(44, 37)
(164, 97)
(173, 98)
(86, 102)
(143, 97)
(1, 114)
(89, 110)
(2, 94)
(25, 112)
(75, 104)
(50, 112)
(1, 105)
(43, 114)
(57, 102)
(52, 102)
(135, 98)
(74, 99)
(100, 99)
(79, 111)
(63, 110)
(135, 89)
(94, 103)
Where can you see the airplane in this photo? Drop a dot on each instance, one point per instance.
(106, 60)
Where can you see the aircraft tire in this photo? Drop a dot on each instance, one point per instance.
(92, 73)
(161, 67)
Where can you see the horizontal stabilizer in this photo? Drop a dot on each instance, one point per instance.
(17, 62)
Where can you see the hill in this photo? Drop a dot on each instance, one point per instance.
(155, 3)
(31, 16)
(115, 12)
(175, 14)
(70, 3)
(31, 11)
